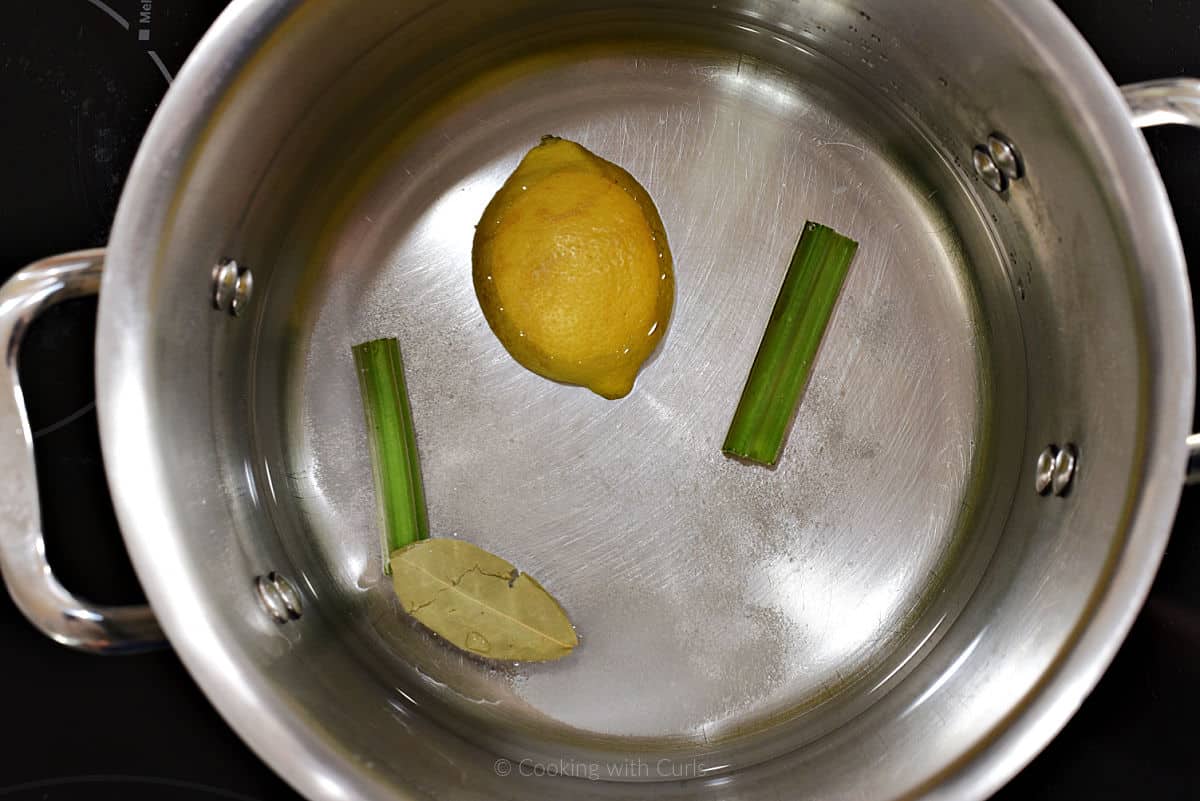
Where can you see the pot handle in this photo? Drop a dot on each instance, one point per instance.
(1172, 101)
(30, 581)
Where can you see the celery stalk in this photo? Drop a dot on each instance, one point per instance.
(394, 460)
(789, 345)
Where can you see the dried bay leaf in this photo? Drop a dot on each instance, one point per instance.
(479, 602)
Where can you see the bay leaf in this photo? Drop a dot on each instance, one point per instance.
(480, 602)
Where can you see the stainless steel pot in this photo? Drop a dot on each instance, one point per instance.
(973, 502)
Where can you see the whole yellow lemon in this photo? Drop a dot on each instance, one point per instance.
(572, 269)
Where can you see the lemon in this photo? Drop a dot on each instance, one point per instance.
(572, 269)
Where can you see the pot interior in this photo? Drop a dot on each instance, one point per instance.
(750, 603)
(737, 623)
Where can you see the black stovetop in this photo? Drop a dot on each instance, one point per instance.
(79, 81)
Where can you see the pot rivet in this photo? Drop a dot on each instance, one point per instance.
(232, 286)
(1055, 469)
(1065, 463)
(1006, 156)
(985, 168)
(1043, 475)
(278, 597)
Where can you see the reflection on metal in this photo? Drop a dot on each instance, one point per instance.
(232, 286)
(279, 597)
(985, 168)
(1193, 469)
(1044, 472)
(30, 579)
(1006, 156)
(1064, 469)
(1055, 469)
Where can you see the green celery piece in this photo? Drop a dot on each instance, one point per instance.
(394, 460)
(789, 345)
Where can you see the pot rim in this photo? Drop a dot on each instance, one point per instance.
(321, 768)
